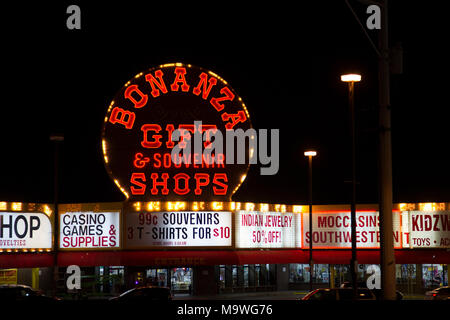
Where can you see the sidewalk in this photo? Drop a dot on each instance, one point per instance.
(270, 295)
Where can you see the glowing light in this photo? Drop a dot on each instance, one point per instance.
(351, 77)
(249, 206)
(297, 209)
(431, 206)
(104, 150)
(47, 210)
(176, 206)
(153, 206)
(198, 206)
(3, 205)
(310, 153)
(109, 109)
(264, 207)
(16, 206)
(218, 77)
(280, 208)
(137, 206)
(121, 189)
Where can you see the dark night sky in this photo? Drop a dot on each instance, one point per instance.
(283, 61)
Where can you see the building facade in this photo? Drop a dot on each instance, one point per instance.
(206, 248)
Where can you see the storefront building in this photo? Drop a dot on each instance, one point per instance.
(218, 247)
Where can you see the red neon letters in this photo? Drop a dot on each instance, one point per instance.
(181, 182)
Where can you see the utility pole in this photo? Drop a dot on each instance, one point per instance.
(387, 257)
(57, 139)
(310, 155)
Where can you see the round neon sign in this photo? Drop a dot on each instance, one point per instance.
(160, 136)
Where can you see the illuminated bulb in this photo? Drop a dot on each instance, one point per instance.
(47, 210)
(351, 77)
(249, 206)
(17, 206)
(310, 153)
(217, 205)
(153, 206)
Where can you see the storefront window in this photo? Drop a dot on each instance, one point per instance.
(321, 273)
(433, 275)
(157, 277)
(298, 273)
(235, 276)
(222, 276)
(181, 280)
(246, 282)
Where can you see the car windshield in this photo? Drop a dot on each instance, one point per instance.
(324, 295)
(445, 290)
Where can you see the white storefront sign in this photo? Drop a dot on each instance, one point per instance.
(429, 229)
(332, 230)
(265, 229)
(89, 230)
(25, 230)
(178, 229)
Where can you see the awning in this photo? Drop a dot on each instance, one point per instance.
(172, 258)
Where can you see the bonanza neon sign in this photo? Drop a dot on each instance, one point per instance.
(137, 134)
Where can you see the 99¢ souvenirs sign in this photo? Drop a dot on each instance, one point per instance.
(429, 229)
(89, 230)
(332, 230)
(178, 229)
(139, 128)
(25, 230)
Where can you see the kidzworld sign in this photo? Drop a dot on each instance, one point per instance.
(161, 137)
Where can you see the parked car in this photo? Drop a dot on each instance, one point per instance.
(378, 292)
(441, 293)
(18, 292)
(339, 294)
(143, 294)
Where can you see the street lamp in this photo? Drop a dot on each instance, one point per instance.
(310, 154)
(351, 79)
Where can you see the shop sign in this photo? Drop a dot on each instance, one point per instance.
(25, 230)
(265, 229)
(8, 276)
(94, 230)
(332, 230)
(178, 229)
(160, 114)
(429, 229)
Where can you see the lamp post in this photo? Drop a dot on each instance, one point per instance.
(57, 139)
(310, 154)
(351, 79)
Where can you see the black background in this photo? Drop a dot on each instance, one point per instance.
(283, 59)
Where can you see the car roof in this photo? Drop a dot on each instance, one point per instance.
(145, 288)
